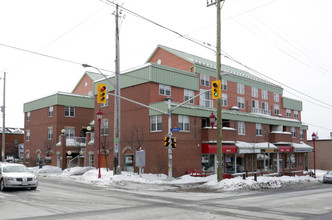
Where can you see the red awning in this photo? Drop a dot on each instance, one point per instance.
(212, 149)
(285, 149)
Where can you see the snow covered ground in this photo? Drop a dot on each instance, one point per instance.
(89, 175)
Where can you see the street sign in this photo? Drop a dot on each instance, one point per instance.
(175, 129)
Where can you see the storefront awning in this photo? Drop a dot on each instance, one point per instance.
(212, 149)
(302, 147)
(285, 149)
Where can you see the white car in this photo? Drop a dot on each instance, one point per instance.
(327, 178)
(14, 175)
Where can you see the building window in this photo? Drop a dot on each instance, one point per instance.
(301, 134)
(28, 116)
(224, 99)
(188, 94)
(240, 89)
(91, 159)
(224, 85)
(241, 128)
(265, 108)
(50, 133)
(104, 127)
(288, 113)
(259, 129)
(27, 135)
(265, 95)
(254, 106)
(276, 109)
(296, 114)
(155, 123)
(184, 122)
(254, 92)
(205, 99)
(105, 104)
(204, 80)
(70, 133)
(276, 97)
(240, 102)
(69, 111)
(164, 90)
(293, 131)
(50, 111)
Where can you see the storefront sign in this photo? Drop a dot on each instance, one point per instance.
(249, 151)
(285, 149)
(212, 149)
(271, 150)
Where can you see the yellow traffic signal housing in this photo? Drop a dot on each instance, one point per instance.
(173, 142)
(101, 93)
(216, 89)
(166, 141)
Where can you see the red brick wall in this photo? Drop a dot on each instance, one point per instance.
(85, 86)
(11, 149)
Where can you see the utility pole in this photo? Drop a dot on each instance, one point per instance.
(170, 156)
(117, 109)
(218, 77)
(3, 119)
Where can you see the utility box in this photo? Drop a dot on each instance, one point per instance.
(140, 158)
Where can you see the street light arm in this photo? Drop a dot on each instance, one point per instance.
(87, 65)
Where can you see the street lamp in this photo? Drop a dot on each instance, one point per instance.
(313, 136)
(99, 117)
(212, 118)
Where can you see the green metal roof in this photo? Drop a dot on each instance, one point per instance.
(291, 104)
(199, 111)
(60, 98)
(152, 72)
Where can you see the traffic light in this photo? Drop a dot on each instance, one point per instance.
(216, 89)
(101, 93)
(173, 142)
(166, 141)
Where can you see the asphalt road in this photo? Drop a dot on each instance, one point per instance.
(58, 199)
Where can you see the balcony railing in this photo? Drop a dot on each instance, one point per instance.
(260, 111)
(74, 141)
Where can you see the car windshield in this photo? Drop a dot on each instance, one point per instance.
(329, 173)
(15, 169)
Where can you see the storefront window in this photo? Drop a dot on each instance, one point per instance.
(208, 163)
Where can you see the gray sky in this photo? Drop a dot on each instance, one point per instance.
(288, 41)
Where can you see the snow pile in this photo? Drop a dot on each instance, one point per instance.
(89, 175)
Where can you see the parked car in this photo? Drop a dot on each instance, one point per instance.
(327, 178)
(13, 175)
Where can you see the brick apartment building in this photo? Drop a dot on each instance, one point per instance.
(262, 129)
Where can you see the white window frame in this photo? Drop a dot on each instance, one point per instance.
(293, 131)
(241, 128)
(259, 129)
(28, 116)
(69, 111)
(224, 101)
(301, 134)
(296, 114)
(265, 94)
(254, 92)
(276, 97)
(254, 106)
(70, 132)
(205, 99)
(240, 89)
(188, 94)
(156, 121)
(288, 113)
(224, 85)
(204, 80)
(276, 109)
(91, 159)
(265, 107)
(27, 135)
(164, 90)
(104, 127)
(50, 133)
(240, 102)
(184, 122)
(50, 111)
(105, 104)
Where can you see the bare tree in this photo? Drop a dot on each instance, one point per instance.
(135, 138)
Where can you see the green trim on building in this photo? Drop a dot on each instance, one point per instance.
(199, 111)
(60, 98)
(291, 104)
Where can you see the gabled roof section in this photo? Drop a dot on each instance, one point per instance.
(93, 76)
(202, 63)
(60, 98)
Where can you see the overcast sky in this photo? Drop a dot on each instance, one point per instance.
(288, 41)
